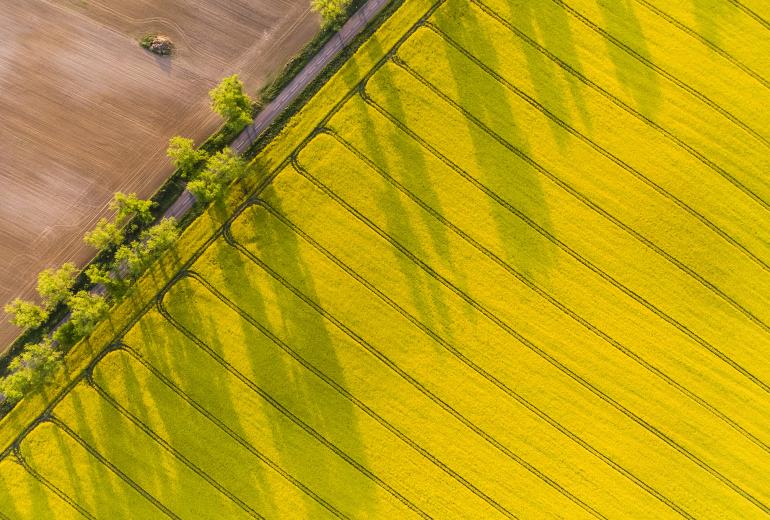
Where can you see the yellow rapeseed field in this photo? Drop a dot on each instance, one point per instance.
(513, 260)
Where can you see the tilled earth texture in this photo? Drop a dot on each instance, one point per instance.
(87, 112)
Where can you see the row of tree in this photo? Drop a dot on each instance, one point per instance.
(207, 176)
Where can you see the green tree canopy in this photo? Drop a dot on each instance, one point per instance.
(98, 274)
(25, 314)
(185, 156)
(127, 206)
(331, 11)
(136, 257)
(230, 101)
(86, 311)
(106, 234)
(221, 169)
(226, 165)
(206, 187)
(29, 370)
(54, 285)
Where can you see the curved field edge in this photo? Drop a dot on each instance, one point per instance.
(197, 236)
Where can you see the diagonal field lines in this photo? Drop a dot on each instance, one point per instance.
(512, 262)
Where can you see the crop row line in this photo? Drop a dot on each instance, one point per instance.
(762, 21)
(112, 467)
(660, 71)
(711, 45)
(454, 351)
(165, 380)
(20, 459)
(563, 246)
(285, 411)
(406, 376)
(170, 449)
(546, 295)
(595, 146)
(507, 328)
(348, 395)
(623, 105)
(566, 187)
(585, 199)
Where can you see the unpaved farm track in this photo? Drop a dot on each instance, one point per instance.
(86, 112)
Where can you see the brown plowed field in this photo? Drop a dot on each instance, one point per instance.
(87, 112)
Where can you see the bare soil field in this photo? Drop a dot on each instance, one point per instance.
(87, 112)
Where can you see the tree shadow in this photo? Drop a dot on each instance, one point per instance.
(376, 145)
(708, 14)
(259, 359)
(180, 366)
(643, 83)
(540, 23)
(272, 306)
(101, 428)
(18, 484)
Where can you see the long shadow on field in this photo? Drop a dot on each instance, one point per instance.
(270, 304)
(548, 25)
(39, 503)
(512, 179)
(708, 16)
(403, 159)
(619, 20)
(204, 380)
(102, 431)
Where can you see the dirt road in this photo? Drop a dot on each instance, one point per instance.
(87, 112)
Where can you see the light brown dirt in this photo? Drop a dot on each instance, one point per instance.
(85, 111)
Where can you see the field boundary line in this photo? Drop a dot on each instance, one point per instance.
(635, 418)
(623, 105)
(131, 351)
(761, 20)
(522, 401)
(585, 200)
(18, 458)
(348, 395)
(312, 432)
(60, 424)
(705, 41)
(410, 379)
(561, 245)
(661, 71)
(165, 445)
(404, 63)
(548, 297)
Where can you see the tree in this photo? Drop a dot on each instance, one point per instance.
(66, 335)
(128, 259)
(136, 257)
(85, 311)
(29, 370)
(331, 11)
(106, 234)
(127, 206)
(230, 101)
(159, 238)
(25, 314)
(98, 274)
(221, 169)
(54, 285)
(206, 187)
(185, 157)
(226, 165)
